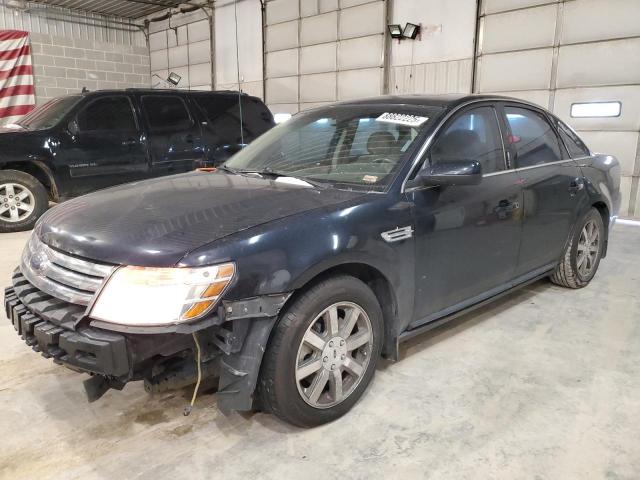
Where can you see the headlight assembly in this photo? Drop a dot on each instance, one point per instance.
(143, 296)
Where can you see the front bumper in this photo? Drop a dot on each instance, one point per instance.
(232, 347)
(87, 349)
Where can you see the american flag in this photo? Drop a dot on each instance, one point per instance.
(17, 95)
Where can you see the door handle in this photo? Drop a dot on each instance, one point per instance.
(576, 185)
(129, 142)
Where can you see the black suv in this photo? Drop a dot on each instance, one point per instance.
(80, 143)
(319, 247)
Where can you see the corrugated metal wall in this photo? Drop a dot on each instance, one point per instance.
(556, 53)
(63, 22)
(322, 51)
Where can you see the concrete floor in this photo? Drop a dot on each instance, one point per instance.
(544, 384)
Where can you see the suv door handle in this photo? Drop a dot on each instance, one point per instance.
(129, 142)
(576, 185)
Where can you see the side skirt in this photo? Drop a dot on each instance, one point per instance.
(451, 313)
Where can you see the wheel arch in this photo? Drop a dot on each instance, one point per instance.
(40, 171)
(375, 279)
(603, 210)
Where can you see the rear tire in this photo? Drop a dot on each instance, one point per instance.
(323, 353)
(23, 199)
(583, 253)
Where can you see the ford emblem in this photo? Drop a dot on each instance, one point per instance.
(39, 262)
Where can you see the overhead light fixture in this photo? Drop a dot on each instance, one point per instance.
(596, 109)
(395, 30)
(174, 78)
(411, 30)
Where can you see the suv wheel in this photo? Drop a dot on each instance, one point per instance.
(22, 200)
(582, 256)
(323, 352)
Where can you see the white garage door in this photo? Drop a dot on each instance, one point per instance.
(563, 53)
(322, 51)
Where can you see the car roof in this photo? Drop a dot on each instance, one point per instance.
(151, 91)
(439, 101)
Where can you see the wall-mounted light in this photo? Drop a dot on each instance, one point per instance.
(395, 30)
(174, 78)
(411, 30)
(596, 109)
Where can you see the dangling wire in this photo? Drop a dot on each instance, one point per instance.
(188, 408)
(235, 11)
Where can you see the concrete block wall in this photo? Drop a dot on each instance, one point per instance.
(65, 65)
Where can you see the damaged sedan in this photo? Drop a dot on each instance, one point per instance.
(289, 271)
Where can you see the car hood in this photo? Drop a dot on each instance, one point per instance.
(156, 222)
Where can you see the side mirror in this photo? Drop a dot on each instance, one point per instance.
(73, 127)
(455, 172)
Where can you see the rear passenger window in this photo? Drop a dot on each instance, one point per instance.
(166, 112)
(573, 143)
(108, 113)
(474, 135)
(534, 140)
(223, 114)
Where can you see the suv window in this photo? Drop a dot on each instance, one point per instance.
(223, 114)
(573, 143)
(533, 138)
(474, 135)
(108, 113)
(166, 112)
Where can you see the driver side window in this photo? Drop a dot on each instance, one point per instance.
(474, 135)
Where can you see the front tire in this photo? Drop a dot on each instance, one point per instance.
(323, 352)
(583, 253)
(23, 199)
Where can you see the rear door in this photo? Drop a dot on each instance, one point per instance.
(103, 145)
(174, 137)
(552, 185)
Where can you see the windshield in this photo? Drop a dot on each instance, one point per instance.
(361, 146)
(48, 114)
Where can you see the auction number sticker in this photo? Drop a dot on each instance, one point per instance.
(402, 119)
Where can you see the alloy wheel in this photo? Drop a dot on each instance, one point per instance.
(588, 248)
(16, 202)
(334, 355)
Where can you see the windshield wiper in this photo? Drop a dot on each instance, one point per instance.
(228, 169)
(268, 172)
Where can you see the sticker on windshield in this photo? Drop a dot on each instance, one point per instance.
(402, 119)
(370, 178)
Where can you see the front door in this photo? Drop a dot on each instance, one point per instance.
(467, 237)
(103, 145)
(552, 184)
(174, 135)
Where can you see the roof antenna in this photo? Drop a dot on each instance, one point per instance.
(235, 11)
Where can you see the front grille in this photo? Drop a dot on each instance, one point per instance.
(60, 275)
